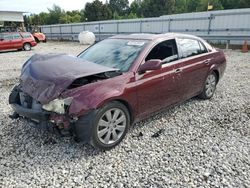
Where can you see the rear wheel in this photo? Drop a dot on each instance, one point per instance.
(209, 87)
(27, 46)
(110, 126)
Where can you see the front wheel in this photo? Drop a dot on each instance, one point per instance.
(110, 126)
(209, 87)
(27, 46)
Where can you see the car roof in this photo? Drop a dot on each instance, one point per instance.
(146, 36)
(15, 32)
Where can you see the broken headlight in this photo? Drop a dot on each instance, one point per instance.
(57, 105)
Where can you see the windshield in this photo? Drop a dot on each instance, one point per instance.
(114, 53)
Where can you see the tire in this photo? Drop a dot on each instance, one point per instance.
(209, 86)
(110, 126)
(26, 47)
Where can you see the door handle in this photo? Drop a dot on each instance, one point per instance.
(178, 71)
(206, 62)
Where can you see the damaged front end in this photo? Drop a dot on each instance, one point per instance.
(54, 113)
(44, 79)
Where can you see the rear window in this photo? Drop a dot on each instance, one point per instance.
(191, 47)
(26, 35)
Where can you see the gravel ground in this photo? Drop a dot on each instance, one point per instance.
(196, 144)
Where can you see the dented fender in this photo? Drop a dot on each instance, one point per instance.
(94, 95)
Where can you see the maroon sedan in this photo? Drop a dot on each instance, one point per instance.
(116, 82)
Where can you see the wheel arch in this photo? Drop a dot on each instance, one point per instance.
(26, 43)
(125, 103)
(215, 69)
(217, 74)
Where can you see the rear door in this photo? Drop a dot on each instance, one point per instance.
(193, 66)
(17, 41)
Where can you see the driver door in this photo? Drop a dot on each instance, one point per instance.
(158, 88)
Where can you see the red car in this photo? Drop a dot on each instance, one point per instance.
(17, 40)
(116, 82)
(39, 37)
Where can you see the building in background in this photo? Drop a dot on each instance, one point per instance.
(11, 21)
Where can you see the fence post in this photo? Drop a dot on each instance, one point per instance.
(140, 25)
(60, 30)
(228, 44)
(50, 28)
(99, 31)
(71, 30)
(162, 22)
(117, 27)
(209, 23)
(169, 25)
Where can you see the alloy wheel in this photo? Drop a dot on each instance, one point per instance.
(27, 47)
(111, 126)
(210, 85)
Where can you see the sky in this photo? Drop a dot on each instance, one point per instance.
(37, 6)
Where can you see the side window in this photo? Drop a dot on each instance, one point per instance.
(165, 51)
(190, 47)
(16, 36)
(7, 37)
(203, 48)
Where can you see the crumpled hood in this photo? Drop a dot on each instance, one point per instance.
(45, 77)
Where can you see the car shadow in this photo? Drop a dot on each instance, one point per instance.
(9, 51)
(53, 143)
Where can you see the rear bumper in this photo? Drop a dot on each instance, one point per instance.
(33, 44)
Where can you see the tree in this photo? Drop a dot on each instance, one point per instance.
(121, 7)
(180, 6)
(82, 13)
(230, 4)
(155, 8)
(136, 8)
(97, 11)
(43, 18)
(54, 14)
(215, 3)
(192, 5)
(244, 4)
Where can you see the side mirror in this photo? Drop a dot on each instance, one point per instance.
(152, 64)
(1, 39)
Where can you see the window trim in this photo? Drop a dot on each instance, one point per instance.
(195, 39)
(154, 45)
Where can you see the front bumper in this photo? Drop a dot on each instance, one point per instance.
(82, 127)
(31, 113)
(35, 114)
